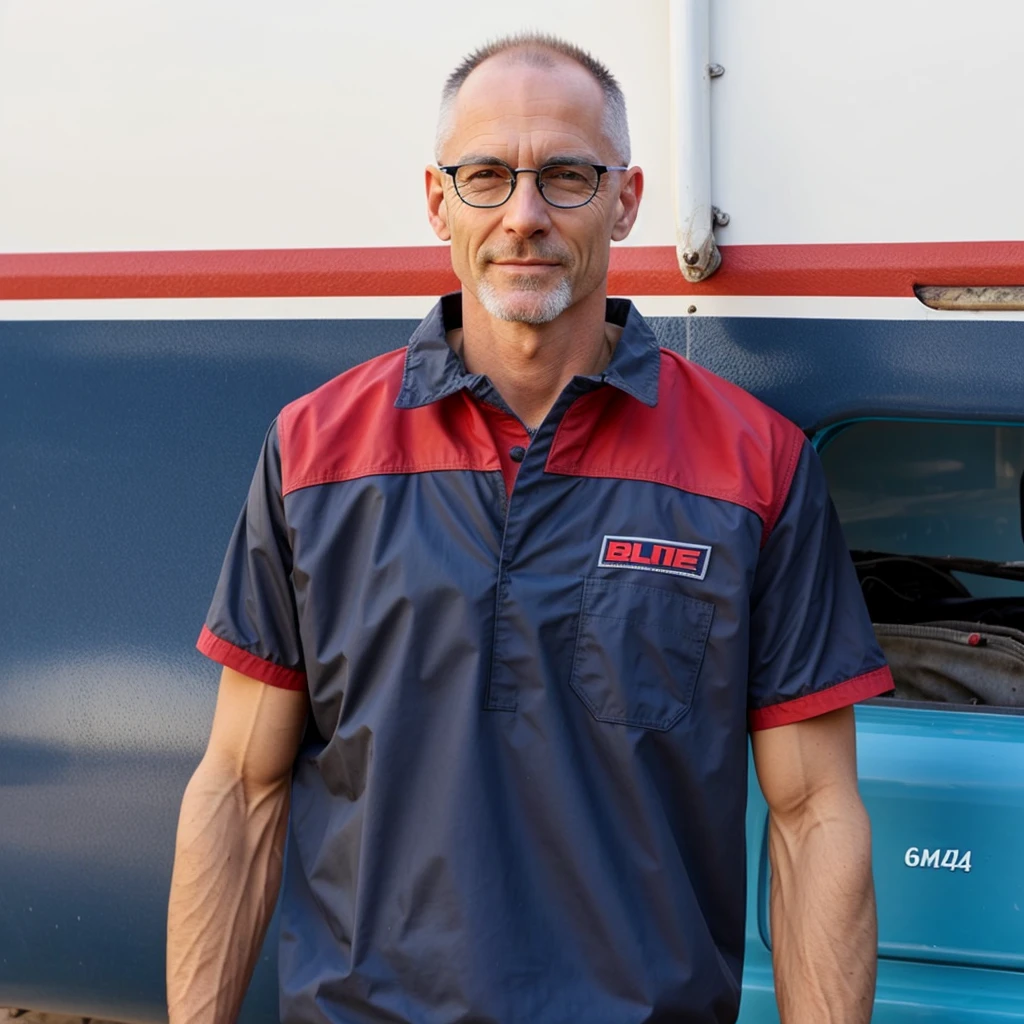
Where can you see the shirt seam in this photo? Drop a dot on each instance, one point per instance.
(775, 510)
(388, 469)
(573, 469)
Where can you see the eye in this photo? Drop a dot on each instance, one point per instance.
(482, 175)
(566, 174)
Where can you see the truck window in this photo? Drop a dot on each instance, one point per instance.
(932, 513)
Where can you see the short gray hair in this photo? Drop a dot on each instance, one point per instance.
(538, 48)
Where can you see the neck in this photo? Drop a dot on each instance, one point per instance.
(530, 364)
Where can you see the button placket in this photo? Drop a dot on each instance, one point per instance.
(502, 691)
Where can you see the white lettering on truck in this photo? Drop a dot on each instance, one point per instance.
(916, 857)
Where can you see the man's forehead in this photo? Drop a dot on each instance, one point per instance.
(504, 97)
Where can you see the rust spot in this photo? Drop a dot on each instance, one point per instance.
(990, 298)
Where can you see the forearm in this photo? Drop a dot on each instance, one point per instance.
(824, 929)
(227, 871)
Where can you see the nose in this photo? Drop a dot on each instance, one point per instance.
(526, 213)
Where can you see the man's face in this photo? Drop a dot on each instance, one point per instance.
(528, 261)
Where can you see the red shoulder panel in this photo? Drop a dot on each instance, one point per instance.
(350, 428)
(705, 436)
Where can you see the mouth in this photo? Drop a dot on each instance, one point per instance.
(526, 264)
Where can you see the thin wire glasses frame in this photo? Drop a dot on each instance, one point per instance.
(545, 180)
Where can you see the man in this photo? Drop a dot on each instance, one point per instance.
(534, 579)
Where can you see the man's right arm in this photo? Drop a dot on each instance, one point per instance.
(230, 846)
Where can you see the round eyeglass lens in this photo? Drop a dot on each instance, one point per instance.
(483, 184)
(569, 185)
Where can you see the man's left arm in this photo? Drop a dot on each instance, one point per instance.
(813, 654)
(823, 925)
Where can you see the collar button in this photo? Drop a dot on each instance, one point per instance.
(517, 453)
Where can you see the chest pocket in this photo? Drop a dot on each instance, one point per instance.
(638, 653)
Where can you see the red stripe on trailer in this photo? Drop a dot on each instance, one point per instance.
(869, 269)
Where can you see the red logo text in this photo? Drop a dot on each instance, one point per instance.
(655, 556)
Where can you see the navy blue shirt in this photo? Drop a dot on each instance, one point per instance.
(531, 678)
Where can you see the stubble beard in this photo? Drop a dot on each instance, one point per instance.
(528, 300)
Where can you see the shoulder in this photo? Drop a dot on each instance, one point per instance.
(744, 447)
(336, 415)
(704, 436)
(692, 399)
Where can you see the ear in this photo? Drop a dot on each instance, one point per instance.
(628, 204)
(437, 206)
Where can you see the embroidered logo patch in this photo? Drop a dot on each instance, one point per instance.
(655, 556)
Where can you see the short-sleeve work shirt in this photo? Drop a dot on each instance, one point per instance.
(532, 663)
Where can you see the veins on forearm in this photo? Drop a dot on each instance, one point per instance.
(823, 916)
(228, 863)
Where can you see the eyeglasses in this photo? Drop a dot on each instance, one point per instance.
(486, 185)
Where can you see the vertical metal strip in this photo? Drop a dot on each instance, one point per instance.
(690, 45)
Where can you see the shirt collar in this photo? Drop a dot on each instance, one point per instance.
(434, 371)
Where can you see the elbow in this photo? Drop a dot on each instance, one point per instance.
(832, 822)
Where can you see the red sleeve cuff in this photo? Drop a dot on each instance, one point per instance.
(248, 664)
(871, 684)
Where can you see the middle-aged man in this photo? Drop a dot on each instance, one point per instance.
(534, 580)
